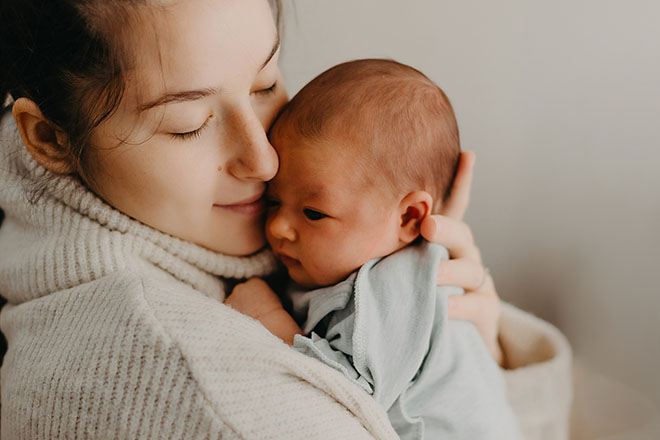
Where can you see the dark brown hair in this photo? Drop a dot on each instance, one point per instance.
(402, 122)
(68, 57)
(65, 56)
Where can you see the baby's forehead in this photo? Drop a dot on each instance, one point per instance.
(329, 159)
(333, 155)
(331, 141)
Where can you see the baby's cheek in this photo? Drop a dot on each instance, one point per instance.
(334, 268)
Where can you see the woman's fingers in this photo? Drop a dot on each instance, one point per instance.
(480, 304)
(482, 308)
(468, 274)
(459, 197)
(476, 304)
(452, 234)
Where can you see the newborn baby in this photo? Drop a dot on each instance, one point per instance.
(367, 150)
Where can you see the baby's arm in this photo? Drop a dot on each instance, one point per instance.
(257, 300)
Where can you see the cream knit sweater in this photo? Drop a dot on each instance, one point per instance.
(116, 330)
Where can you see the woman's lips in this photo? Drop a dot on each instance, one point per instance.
(252, 206)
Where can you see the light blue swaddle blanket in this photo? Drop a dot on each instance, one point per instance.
(386, 328)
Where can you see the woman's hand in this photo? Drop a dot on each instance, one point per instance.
(257, 300)
(480, 305)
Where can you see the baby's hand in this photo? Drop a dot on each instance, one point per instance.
(257, 300)
(254, 298)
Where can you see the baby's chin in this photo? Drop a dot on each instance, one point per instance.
(301, 277)
(307, 281)
(304, 281)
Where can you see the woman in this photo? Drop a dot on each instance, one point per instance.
(132, 176)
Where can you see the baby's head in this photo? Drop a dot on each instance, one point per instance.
(367, 150)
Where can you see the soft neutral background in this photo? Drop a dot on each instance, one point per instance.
(561, 102)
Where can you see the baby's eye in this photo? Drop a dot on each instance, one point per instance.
(271, 203)
(313, 215)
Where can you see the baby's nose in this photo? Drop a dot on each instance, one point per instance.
(280, 228)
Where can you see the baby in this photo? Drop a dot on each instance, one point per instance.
(367, 150)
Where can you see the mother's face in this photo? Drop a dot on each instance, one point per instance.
(186, 152)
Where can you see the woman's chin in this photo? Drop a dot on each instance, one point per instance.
(250, 249)
(241, 247)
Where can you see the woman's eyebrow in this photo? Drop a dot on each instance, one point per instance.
(193, 95)
(273, 51)
(188, 95)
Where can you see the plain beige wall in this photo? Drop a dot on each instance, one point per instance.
(561, 101)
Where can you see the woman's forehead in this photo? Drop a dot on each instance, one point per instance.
(201, 45)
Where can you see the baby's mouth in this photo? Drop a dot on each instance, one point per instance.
(288, 261)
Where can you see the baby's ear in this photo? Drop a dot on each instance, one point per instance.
(413, 208)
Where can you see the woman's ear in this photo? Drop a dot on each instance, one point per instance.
(43, 140)
(413, 208)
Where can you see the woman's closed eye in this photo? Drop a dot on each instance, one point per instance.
(191, 134)
(313, 215)
(267, 90)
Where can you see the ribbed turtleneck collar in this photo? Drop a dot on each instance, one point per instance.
(70, 236)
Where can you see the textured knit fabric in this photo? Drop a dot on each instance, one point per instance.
(539, 375)
(386, 328)
(116, 330)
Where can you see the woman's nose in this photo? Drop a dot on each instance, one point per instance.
(280, 228)
(252, 158)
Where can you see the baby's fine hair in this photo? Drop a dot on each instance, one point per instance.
(403, 123)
